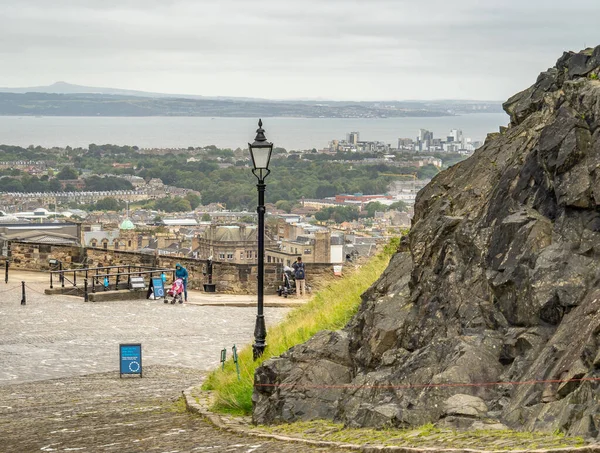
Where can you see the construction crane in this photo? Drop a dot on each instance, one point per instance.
(412, 175)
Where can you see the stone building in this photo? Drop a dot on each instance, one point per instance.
(230, 243)
(317, 247)
(124, 238)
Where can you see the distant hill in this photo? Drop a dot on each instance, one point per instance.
(70, 88)
(65, 99)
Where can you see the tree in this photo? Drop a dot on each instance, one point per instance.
(325, 190)
(374, 207)
(54, 185)
(11, 185)
(174, 204)
(427, 171)
(399, 205)
(96, 183)
(338, 214)
(67, 173)
(284, 205)
(205, 217)
(193, 199)
(108, 204)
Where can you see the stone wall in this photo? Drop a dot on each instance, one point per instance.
(32, 256)
(228, 277)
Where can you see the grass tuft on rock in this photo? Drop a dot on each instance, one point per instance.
(426, 436)
(330, 309)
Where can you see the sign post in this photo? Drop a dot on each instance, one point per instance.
(130, 359)
(157, 287)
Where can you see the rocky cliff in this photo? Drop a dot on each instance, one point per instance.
(497, 286)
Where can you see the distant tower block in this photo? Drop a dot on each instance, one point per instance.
(353, 138)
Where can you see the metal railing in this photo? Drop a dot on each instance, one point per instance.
(120, 275)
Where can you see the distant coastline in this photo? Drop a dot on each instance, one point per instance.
(112, 105)
(230, 132)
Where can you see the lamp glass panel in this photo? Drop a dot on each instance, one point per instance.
(261, 157)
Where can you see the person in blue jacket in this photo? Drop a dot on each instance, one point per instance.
(182, 273)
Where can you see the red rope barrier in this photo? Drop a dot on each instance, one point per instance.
(414, 386)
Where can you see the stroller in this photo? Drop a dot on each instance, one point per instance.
(288, 285)
(176, 291)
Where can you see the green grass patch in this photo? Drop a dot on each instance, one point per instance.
(178, 406)
(425, 436)
(330, 309)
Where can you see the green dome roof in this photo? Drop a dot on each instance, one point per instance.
(127, 225)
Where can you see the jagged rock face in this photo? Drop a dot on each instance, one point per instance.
(499, 283)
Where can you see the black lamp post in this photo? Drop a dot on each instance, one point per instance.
(260, 151)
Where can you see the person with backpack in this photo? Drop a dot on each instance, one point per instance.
(300, 276)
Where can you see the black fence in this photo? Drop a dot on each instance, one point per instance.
(104, 278)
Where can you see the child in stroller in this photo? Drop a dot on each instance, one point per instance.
(176, 291)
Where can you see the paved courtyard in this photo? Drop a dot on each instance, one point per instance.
(59, 383)
(61, 336)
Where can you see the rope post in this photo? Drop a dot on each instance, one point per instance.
(74, 278)
(6, 272)
(85, 291)
(23, 298)
(51, 280)
(62, 274)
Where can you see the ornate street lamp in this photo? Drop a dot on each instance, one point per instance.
(260, 151)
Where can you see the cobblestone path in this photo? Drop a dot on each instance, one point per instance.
(59, 383)
(62, 336)
(103, 413)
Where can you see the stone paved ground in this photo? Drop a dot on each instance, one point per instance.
(59, 386)
(103, 413)
(61, 336)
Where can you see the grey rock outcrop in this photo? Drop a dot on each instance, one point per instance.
(499, 283)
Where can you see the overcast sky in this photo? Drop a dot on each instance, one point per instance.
(284, 49)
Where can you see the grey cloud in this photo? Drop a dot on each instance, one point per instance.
(304, 48)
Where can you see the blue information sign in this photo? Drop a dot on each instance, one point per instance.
(158, 287)
(130, 358)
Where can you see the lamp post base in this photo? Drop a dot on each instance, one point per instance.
(258, 350)
(260, 336)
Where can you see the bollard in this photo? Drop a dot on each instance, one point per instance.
(23, 298)
(6, 273)
(51, 280)
(85, 291)
(223, 358)
(235, 360)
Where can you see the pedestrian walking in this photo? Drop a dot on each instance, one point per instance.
(182, 273)
(300, 276)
